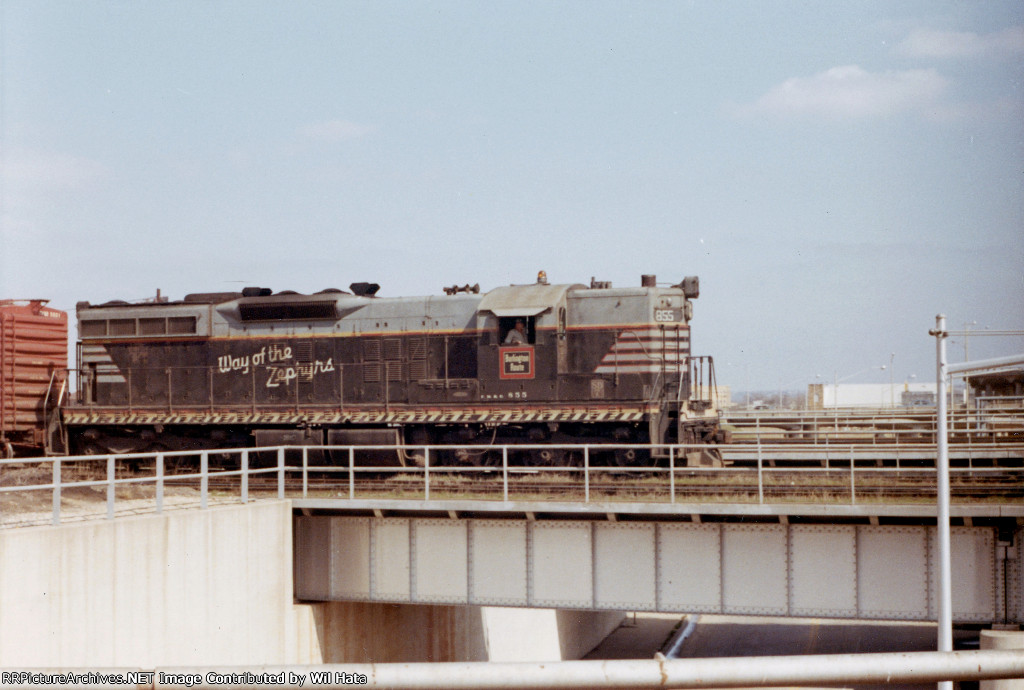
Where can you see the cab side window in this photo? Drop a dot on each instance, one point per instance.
(511, 334)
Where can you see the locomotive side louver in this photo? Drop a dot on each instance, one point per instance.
(288, 310)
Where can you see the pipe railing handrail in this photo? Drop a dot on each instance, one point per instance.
(585, 475)
(640, 674)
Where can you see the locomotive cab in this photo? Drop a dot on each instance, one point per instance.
(528, 370)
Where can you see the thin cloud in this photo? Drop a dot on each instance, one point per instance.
(336, 131)
(39, 170)
(932, 43)
(851, 92)
(31, 180)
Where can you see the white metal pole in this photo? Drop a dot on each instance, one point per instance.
(945, 631)
(245, 476)
(280, 472)
(504, 473)
(204, 479)
(426, 473)
(56, 491)
(658, 673)
(111, 493)
(159, 483)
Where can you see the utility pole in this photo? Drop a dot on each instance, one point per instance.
(945, 592)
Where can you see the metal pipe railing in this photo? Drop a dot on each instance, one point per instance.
(658, 673)
(765, 481)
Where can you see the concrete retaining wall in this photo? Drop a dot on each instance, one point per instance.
(214, 587)
(184, 588)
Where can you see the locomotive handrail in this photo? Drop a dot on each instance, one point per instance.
(166, 399)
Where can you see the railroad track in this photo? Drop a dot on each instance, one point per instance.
(706, 486)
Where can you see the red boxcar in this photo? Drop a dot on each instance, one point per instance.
(33, 371)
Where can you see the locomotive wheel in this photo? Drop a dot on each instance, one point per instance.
(632, 457)
(92, 448)
(548, 457)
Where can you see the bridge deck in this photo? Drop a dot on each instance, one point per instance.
(719, 512)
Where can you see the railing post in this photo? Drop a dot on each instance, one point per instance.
(245, 476)
(853, 483)
(351, 472)
(504, 472)
(305, 471)
(110, 487)
(56, 491)
(280, 471)
(204, 479)
(586, 474)
(159, 483)
(672, 474)
(760, 474)
(426, 473)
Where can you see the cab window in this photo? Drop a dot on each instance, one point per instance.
(507, 324)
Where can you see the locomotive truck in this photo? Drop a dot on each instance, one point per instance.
(589, 364)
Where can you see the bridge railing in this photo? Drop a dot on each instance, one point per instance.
(820, 428)
(95, 486)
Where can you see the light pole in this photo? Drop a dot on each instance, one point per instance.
(945, 594)
(942, 372)
(835, 389)
(784, 388)
(836, 380)
(967, 358)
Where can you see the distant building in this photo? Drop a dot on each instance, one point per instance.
(822, 396)
(723, 397)
(999, 390)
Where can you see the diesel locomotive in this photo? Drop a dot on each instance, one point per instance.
(533, 365)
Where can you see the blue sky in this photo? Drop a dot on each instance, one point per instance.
(835, 173)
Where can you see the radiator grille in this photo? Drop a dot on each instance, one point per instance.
(392, 349)
(394, 371)
(371, 372)
(418, 359)
(371, 350)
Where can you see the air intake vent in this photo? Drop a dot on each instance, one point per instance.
(288, 310)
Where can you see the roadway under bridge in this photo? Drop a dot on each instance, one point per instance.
(855, 562)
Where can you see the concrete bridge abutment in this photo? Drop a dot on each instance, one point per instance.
(215, 587)
(360, 632)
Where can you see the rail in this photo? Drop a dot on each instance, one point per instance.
(357, 472)
(876, 426)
